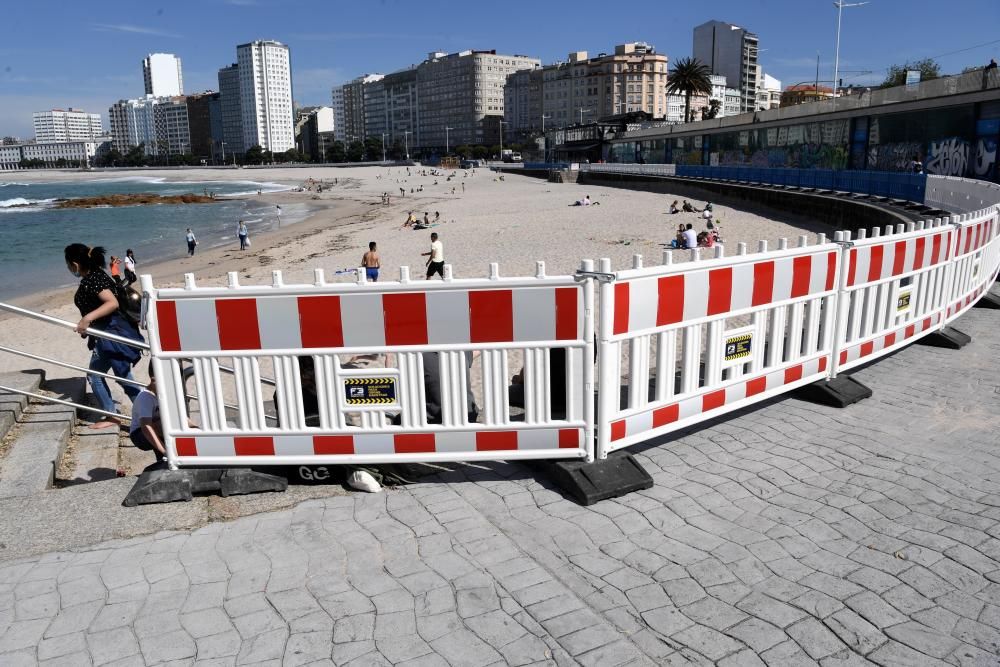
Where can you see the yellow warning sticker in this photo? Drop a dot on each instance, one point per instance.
(370, 391)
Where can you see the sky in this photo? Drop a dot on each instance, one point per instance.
(88, 54)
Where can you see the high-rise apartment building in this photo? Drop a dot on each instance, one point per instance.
(522, 103)
(266, 95)
(314, 127)
(583, 89)
(354, 111)
(71, 125)
(464, 92)
(231, 110)
(337, 104)
(158, 124)
(133, 123)
(200, 109)
(161, 73)
(402, 118)
(173, 134)
(730, 51)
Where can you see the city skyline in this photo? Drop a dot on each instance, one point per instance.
(94, 72)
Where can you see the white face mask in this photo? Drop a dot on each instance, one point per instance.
(75, 273)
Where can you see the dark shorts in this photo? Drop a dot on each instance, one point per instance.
(435, 267)
(140, 441)
(371, 274)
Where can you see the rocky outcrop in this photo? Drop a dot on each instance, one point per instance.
(137, 199)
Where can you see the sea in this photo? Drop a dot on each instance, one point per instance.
(33, 232)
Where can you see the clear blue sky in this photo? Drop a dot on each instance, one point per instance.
(88, 54)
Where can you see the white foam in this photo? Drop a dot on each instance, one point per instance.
(21, 201)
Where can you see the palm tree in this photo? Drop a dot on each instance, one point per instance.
(689, 76)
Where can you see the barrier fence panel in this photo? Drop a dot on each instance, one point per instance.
(894, 289)
(976, 259)
(681, 343)
(457, 355)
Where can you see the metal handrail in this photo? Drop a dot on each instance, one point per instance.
(97, 333)
(56, 362)
(52, 399)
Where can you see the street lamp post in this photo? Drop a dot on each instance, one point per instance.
(840, 4)
(447, 146)
(545, 150)
(383, 147)
(583, 111)
(502, 123)
(406, 143)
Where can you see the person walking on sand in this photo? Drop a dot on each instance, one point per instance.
(115, 264)
(95, 299)
(435, 258)
(130, 276)
(243, 235)
(371, 262)
(278, 213)
(192, 241)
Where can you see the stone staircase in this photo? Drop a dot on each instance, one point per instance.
(44, 445)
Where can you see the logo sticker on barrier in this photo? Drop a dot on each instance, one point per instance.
(370, 391)
(739, 347)
(903, 302)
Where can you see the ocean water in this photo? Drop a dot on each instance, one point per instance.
(32, 237)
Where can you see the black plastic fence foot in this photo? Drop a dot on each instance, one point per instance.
(947, 337)
(989, 300)
(589, 483)
(839, 392)
(159, 485)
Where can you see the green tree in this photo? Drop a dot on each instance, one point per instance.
(463, 150)
(112, 157)
(355, 151)
(397, 151)
(136, 156)
(714, 106)
(896, 74)
(690, 77)
(255, 155)
(373, 148)
(480, 152)
(335, 152)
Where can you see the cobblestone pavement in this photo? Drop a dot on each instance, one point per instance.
(787, 534)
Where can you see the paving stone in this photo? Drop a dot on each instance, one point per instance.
(757, 634)
(175, 645)
(875, 610)
(769, 609)
(924, 639)
(112, 645)
(714, 614)
(892, 654)
(859, 635)
(814, 638)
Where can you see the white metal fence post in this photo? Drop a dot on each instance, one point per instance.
(607, 394)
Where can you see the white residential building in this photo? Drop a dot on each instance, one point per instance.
(51, 152)
(159, 124)
(71, 125)
(161, 73)
(10, 157)
(731, 51)
(768, 92)
(728, 98)
(266, 95)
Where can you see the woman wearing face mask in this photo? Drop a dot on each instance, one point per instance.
(95, 298)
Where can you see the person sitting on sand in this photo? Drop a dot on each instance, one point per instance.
(410, 220)
(679, 239)
(706, 240)
(582, 202)
(690, 237)
(437, 216)
(427, 219)
(687, 208)
(674, 209)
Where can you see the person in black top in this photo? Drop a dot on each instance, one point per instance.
(98, 305)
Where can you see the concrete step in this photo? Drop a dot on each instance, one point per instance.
(91, 457)
(30, 463)
(12, 405)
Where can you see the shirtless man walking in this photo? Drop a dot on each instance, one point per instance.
(371, 263)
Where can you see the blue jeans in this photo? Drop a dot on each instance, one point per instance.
(99, 385)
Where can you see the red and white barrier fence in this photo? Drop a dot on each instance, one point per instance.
(434, 338)
(456, 360)
(709, 336)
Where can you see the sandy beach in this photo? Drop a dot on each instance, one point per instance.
(514, 222)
